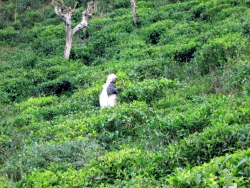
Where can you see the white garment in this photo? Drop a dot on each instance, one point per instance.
(112, 100)
(106, 100)
(103, 98)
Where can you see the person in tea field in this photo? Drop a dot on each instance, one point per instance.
(109, 92)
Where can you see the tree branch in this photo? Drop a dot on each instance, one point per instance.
(86, 15)
(65, 14)
(83, 23)
(62, 11)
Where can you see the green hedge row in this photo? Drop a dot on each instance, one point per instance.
(127, 163)
(231, 170)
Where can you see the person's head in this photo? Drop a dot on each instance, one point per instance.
(112, 78)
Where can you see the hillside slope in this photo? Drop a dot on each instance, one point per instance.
(183, 115)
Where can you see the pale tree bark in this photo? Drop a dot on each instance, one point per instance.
(134, 8)
(65, 14)
(92, 7)
(95, 5)
(15, 11)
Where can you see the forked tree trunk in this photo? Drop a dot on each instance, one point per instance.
(65, 14)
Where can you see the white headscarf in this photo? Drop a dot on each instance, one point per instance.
(111, 78)
(103, 98)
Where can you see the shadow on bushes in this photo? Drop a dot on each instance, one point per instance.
(56, 88)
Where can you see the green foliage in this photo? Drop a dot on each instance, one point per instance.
(122, 165)
(32, 5)
(6, 183)
(6, 15)
(229, 170)
(154, 32)
(217, 52)
(55, 87)
(83, 53)
(149, 69)
(148, 90)
(71, 154)
(184, 71)
(8, 35)
(215, 142)
(46, 41)
(30, 18)
(121, 4)
(35, 103)
(105, 43)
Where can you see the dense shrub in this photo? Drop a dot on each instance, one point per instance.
(184, 69)
(220, 51)
(229, 170)
(83, 53)
(149, 70)
(55, 87)
(14, 88)
(6, 15)
(126, 163)
(216, 141)
(154, 32)
(31, 18)
(8, 35)
(148, 90)
(48, 40)
(246, 26)
(121, 4)
(122, 165)
(74, 154)
(6, 183)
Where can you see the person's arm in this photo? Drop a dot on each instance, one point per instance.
(111, 89)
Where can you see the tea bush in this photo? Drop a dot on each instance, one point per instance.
(229, 170)
(147, 90)
(216, 53)
(8, 35)
(83, 53)
(150, 69)
(48, 39)
(6, 15)
(36, 103)
(154, 32)
(6, 183)
(128, 163)
(14, 88)
(30, 18)
(185, 98)
(188, 121)
(74, 154)
(121, 4)
(119, 165)
(220, 139)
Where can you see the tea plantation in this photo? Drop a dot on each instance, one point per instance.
(183, 114)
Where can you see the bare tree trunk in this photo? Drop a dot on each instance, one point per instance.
(69, 41)
(65, 14)
(15, 11)
(95, 6)
(134, 8)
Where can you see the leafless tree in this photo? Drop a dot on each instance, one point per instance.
(65, 14)
(16, 11)
(134, 8)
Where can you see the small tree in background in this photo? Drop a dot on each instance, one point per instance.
(134, 8)
(65, 13)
